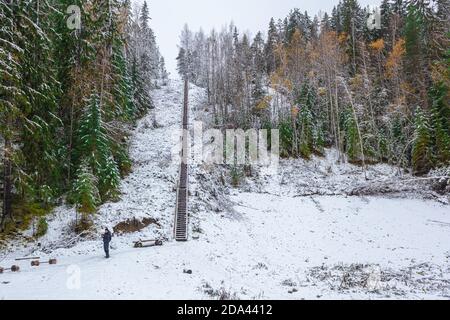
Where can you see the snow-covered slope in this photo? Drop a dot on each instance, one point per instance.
(146, 193)
(286, 236)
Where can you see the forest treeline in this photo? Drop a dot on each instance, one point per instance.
(68, 97)
(376, 94)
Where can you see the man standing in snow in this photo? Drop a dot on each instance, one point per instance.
(106, 240)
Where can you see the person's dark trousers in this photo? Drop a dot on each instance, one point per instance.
(106, 247)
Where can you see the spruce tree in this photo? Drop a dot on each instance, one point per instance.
(272, 42)
(141, 94)
(422, 153)
(84, 191)
(41, 142)
(164, 75)
(122, 85)
(13, 100)
(336, 19)
(286, 139)
(149, 55)
(441, 122)
(96, 147)
(109, 178)
(306, 125)
(137, 66)
(353, 23)
(352, 143)
(306, 131)
(182, 65)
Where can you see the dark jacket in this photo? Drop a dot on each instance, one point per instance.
(107, 237)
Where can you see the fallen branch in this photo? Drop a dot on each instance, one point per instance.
(31, 258)
(425, 179)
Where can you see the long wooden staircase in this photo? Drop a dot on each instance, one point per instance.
(181, 210)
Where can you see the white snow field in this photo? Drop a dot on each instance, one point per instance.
(292, 236)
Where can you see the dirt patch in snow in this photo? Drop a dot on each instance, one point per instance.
(134, 225)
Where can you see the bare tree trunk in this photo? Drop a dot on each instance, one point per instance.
(338, 126)
(295, 142)
(69, 163)
(353, 45)
(7, 184)
(208, 71)
(332, 123)
(72, 115)
(372, 113)
(214, 81)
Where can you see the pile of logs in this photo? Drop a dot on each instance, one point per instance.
(35, 262)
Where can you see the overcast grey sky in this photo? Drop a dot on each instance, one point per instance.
(169, 17)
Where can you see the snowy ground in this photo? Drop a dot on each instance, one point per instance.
(296, 235)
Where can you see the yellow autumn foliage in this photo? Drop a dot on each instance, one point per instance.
(343, 37)
(440, 73)
(357, 81)
(278, 81)
(274, 80)
(395, 57)
(322, 91)
(288, 84)
(407, 88)
(264, 103)
(294, 111)
(377, 46)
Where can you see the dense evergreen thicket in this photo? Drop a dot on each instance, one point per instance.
(67, 97)
(374, 94)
